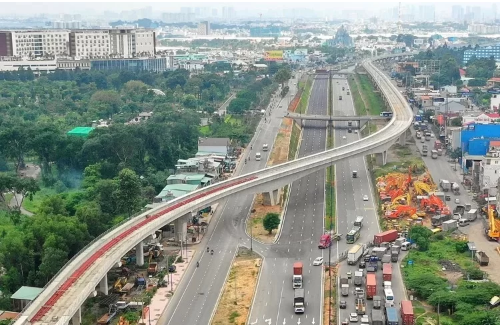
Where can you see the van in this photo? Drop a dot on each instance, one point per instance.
(257, 156)
(389, 297)
(405, 246)
(463, 222)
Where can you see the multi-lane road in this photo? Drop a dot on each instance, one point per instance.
(301, 230)
(197, 295)
(350, 203)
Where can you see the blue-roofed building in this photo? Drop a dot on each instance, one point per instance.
(174, 191)
(483, 52)
(475, 138)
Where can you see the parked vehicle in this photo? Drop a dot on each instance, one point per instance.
(407, 314)
(297, 275)
(371, 285)
(299, 304)
(482, 258)
(386, 236)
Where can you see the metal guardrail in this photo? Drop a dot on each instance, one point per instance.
(284, 169)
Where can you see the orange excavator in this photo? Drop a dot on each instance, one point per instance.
(494, 224)
(401, 211)
(434, 205)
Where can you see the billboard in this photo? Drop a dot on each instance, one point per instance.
(273, 56)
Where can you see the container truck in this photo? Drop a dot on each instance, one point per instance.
(391, 315)
(299, 301)
(386, 236)
(371, 285)
(407, 313)
(297, 275)
(482, 258)
(378, 317)
(344, 287)
(358, 278)
(387, 272)
(354, 254)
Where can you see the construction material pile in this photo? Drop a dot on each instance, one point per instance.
(408, 196)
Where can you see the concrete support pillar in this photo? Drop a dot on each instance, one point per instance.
(180, 225)
(77, 317)
(139, 254)
(271, 198)
(402, 139)
(381, 158)
(103, 285)
(302, 123)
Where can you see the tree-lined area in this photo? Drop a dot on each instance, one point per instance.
(96, 182)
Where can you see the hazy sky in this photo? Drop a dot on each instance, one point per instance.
(96, 7)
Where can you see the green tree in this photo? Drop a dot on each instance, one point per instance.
(129, 191)
(15, 143)
(106, 102)
(239, 105)
(271, 221)
(282, 76)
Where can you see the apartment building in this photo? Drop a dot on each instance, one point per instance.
(80, 44)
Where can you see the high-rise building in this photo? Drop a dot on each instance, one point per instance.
(457, 13)
(204, 28)
(426, 13)
(34, 43)
(483, 52)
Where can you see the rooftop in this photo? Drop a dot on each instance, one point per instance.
(217, 142)
(27, 293)
(81, 131)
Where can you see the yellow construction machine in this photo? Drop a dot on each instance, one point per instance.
(494, 224)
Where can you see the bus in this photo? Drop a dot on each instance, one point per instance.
(353, 235)
(389, 297)
(386, 114)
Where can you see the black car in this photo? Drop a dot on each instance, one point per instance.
(367, 258)
(362, 264)
(343, 304)
(172, 268)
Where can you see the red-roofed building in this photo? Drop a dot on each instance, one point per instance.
(493, 82)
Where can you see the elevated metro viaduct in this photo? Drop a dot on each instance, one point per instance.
(64, 295)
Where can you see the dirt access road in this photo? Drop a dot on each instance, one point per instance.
(30, 171)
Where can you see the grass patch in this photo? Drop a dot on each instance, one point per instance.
(330, 171)
(371, 95)
(33, 205)
(359, 105)
(205, 130)
(401, 166)
(304, 99)
(294, 141)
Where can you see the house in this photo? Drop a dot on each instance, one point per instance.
(218, 146)
(484, 118)
(143, 116)
(493, 82)
(495, 102)
(25, 295)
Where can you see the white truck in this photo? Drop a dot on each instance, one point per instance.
(471, 215)
(445, 184)
(299, 305)
(358, 278)
(455, 188)
(354, 254)
(358, 222)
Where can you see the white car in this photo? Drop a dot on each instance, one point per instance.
(318, 261)
(365, 319)
(356, 131)
(344, 137)
(365, 197)
(353, 317)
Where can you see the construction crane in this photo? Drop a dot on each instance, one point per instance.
(493, 231)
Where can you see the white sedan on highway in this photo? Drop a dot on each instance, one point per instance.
(365, 197)
(318, 261)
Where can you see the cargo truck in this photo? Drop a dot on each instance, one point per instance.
(377, 302)
(344, 287)
(360, 306)
(471, 215)
(387, 272)
(297, 275)
(450, 225)
(378, 317)
(358, 222)
(299, 301)
(407, 313)
(482, 258)
(391, 315)
(445, 184)
(438, 220)
(371, 285)
(358, 278)
(386, 236)
(379, 252)
(372, 266)
(386, 258)
(455, 188)
(354, 254)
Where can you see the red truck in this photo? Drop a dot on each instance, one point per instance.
(438, 145)
(325, 241)
(297, 275)
(407, 313)
(371, 285)
(387, 272)
(385, 237)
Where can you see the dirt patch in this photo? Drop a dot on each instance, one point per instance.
(326, 285)
(281, 146)
(234, 305)
(259, 211)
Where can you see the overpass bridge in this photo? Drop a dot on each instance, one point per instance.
(362, 119)
(63, 296)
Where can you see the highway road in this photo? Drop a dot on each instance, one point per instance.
(301, 230)
(350, 204)
(196, 297)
